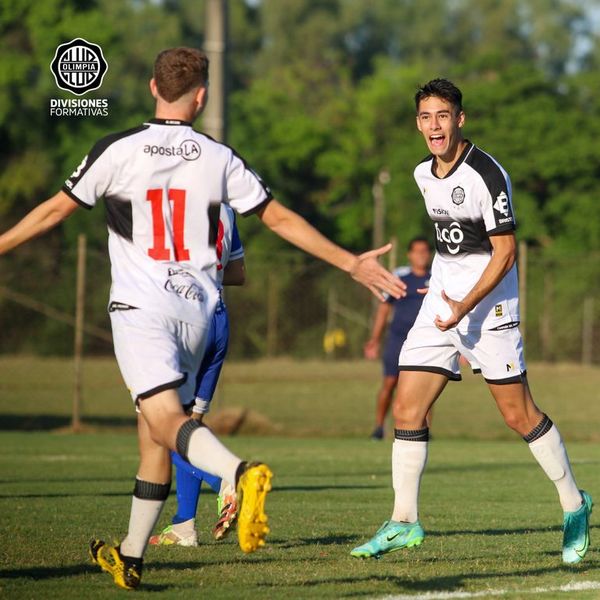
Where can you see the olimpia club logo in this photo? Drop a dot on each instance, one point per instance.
(78, 66)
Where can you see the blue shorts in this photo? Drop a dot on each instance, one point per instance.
(216, 350)
(391, 353)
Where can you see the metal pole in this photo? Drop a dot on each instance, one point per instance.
(214, 120)
(272, 313)
(79, 323)
(587, 333)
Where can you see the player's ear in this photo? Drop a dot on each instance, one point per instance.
(461, 119)
(153, 88)
(202, 96)
(419, 124)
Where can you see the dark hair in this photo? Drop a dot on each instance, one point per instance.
(417, 240)
(179, 70)
(440, 88)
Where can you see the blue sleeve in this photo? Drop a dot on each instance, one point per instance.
(236, 242)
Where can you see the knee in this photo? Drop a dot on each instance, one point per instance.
(406, 415)
(517, 421)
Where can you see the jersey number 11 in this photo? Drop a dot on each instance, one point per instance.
(159, 251)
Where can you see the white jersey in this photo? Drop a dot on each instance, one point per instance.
(471, 203)
(163, 184)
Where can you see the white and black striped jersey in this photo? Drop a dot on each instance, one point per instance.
(163, 184)
(470, 204)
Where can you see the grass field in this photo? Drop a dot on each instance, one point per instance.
(493, 521)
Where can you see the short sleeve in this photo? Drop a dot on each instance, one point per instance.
(496, 205)
(246, 192)
(92, 177)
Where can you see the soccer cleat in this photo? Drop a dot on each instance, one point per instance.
(169, 537)
(252, 488)
(576, 531)
(227, 509)
(390, 537)
(126, 571)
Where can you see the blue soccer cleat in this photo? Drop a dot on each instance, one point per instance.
(390, 537)
(576, 531)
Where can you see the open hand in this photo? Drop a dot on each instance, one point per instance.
(367, 271)
(458, 312)
(371, 350)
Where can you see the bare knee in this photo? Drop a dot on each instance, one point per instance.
(406, 414)
(521, 422)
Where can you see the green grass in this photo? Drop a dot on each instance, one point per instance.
(493, 520)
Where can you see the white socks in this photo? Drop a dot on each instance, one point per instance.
(551, 454)
(206, 452)
(146, 504)
(408, 463)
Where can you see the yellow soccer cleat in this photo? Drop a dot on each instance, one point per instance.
(252, 488)
(126, 571)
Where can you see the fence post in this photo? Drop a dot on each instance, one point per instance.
(523, 287)
(587, 331)
(79, 324)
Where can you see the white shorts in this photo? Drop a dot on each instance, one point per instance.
(497, 353)
(157, 353)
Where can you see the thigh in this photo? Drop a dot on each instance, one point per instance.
(516, 405)
(498, 354)
(427, 349)
(416, 393)
(147, 352)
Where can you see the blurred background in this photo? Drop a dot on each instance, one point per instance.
(319, 101)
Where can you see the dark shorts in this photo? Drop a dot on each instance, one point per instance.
(391, 353)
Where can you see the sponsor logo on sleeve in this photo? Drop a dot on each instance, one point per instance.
(498, 310)
(501, 204)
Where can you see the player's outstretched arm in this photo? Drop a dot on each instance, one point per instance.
(363, 268)
(38, 221)
(503, 258)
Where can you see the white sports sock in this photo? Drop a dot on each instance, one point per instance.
(551, 454)
(408, 462)
(185, 528)
(143, 519)
(206, 452)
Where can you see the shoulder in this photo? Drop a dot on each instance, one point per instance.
(109, 140)
(424, 165)
(401, 271)
(489, 169)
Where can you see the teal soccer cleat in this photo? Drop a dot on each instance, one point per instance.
(390, 537)
(576, 531)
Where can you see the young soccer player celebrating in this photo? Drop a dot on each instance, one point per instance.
(472, 308)
(162, 184)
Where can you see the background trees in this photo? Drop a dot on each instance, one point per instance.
(321, 101)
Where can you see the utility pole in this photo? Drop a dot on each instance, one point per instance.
(382, 179)
(214, 120)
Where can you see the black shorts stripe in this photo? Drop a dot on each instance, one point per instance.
(439, 370)
(161, 388)
(513, 379)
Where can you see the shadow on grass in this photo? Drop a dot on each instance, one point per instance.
(50, 422)
(322, 488)
(494, 532)
(328, 540)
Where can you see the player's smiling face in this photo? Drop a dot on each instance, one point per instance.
(441, 124)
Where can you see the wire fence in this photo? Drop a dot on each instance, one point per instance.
(291, 305)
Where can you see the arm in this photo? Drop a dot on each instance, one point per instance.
(235, 272)
(41, 219)
(371, 349)
(503, 258)
(363, 268)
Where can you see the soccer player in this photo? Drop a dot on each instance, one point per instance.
(162, 184)
(404, 312)
(472, 308)
(230, 271)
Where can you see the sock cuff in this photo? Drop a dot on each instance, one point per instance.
(146, 490)
(183, 437)
(542, 428)
(412, 435)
